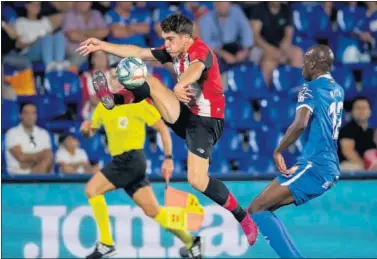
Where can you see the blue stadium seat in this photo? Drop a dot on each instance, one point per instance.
(54, 142)
(277, 110)
(311, 21)
(179, 147)
(348, 17)
(94, 146)
(247, 80)
(257, 165)
(321, 24)
(303, 43)
(285, 77)
(61, 126)
(239, 113)
(38, 67)
(218, 164)
(229, 145)
(165, 76)
(344, 77)
(48, 107)
(104, 159)
(157, 4)
(301, 21)
(346, 50)
(9, 70)
(84, 67)
(154, 161)
(264, 140)
(369, 81)
(64, 84)
(10, 111)
(8, 15)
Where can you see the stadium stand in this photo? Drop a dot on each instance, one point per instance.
(255, 115)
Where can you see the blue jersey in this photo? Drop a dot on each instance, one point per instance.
(324, 98)
(137, 16)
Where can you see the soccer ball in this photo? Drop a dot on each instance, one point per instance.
(131, 72)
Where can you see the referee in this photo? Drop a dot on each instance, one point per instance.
(125, 130)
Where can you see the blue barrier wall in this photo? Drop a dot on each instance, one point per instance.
(50, 220)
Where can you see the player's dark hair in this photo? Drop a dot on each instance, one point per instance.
(360, 98)
(177, 23)
(22, 105)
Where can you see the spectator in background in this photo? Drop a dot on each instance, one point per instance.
(128, 25)
(366, 28)
(102, 6)
(36, 38)
(28, 147)
(356, 137)
(162, 13)
(273, 32)
(98, 61)
(80, 24)
(9, 53)
(70, 158)
(370, 156)
(227, 31)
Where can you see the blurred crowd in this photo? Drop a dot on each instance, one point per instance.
(40, 66)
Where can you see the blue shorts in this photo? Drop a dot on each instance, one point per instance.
(308, 182)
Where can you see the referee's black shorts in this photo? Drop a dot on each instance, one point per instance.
(200, 133)
(127, 171)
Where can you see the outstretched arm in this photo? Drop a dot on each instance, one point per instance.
(123, 51)
(293, 133)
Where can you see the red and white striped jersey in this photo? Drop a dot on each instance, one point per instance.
(208, 99)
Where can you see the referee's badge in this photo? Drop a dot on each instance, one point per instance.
(122, 122)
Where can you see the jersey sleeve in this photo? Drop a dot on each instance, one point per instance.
(306, 99)
(201, 53)
(149, 113)
(97, 117)
(161, 55)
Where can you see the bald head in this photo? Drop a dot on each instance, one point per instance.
(318, 60)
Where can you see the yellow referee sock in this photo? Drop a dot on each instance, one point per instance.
(101, 214)
(184, 236)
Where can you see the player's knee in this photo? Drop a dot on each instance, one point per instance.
(150, 211)
(91, 191)
(152, 80)
(256, 206)
(196, 180)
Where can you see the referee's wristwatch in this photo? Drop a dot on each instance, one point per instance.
(168, 157)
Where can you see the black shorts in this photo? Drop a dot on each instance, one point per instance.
(200, 133)
(127, 171)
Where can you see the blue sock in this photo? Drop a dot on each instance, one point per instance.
(276, 234)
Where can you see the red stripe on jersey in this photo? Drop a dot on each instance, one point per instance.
(212, 101)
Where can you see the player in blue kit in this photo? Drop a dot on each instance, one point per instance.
(318, 117)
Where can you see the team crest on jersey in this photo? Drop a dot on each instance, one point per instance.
(305, 92)
(122, 122)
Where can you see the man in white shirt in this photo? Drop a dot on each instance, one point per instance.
(28, 147)
(71, 158)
